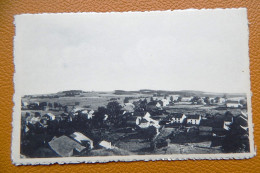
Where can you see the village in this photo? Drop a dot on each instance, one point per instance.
(77, 123)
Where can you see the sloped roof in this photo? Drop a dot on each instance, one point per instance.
(177, 115)
(143, 120)
(196, 116)
(64, 146)
(242, 121)
(153, 103)
(80, 137)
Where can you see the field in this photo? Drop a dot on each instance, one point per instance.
(91, 100)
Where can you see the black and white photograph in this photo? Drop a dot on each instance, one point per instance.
(128, 86)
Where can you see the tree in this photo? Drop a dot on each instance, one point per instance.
(235, 140)
(143, 104)
(165, 97)
(195, 99)
(126, 100)
(113, 110)
(179, 99)
(99, 116)
(171, 98)
(206, 100)
(217, 99)
(151, 100)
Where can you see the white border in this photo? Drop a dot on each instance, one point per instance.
(15, 148)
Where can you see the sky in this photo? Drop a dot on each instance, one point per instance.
(205, 50)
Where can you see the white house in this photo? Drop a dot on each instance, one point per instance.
(193, 119)
(147, 121)
(222, 100)
(177, 118)
(89, 115)
(174, 97)
(165, 102)
(186, 99)
(227, 122)
(105, 144)
(233, 104)
(82, 139)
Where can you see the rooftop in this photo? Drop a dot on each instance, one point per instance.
(64, 146)
(196, 116)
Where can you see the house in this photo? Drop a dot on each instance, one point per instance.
(146, 121)
(49, 116)
(233, 104)
(174, 97)
(65, 146)
(24, 105)
(205, 131)
(228, 120)
(105, 144)
(165, 102)
(243, 122)
(142, 122)
(186, 99)
(89, 115)
(154, 105)
(105, 117)
(82, 139)
(177, 118)
(33, 120)
(193, 119)
(222, 100)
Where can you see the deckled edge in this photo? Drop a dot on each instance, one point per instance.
(15, 147)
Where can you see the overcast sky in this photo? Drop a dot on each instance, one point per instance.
(204, 50)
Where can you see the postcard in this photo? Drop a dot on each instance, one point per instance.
(129, 86)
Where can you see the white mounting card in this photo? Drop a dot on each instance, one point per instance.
(129, 86)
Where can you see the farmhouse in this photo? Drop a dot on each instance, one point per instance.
(233, 104)
(222, 100)
(147, 121)
(228, 120)
(165, 102)
(193, 119)
(154, 105)
(186, 99)
(65, 146)
(24, 105)
(142, 122)
(88, 115)
(82, 139)
(174, 97)
(105, 144)
(242, 121)
(177, 118)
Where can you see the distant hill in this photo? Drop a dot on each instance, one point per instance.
(183, 93)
